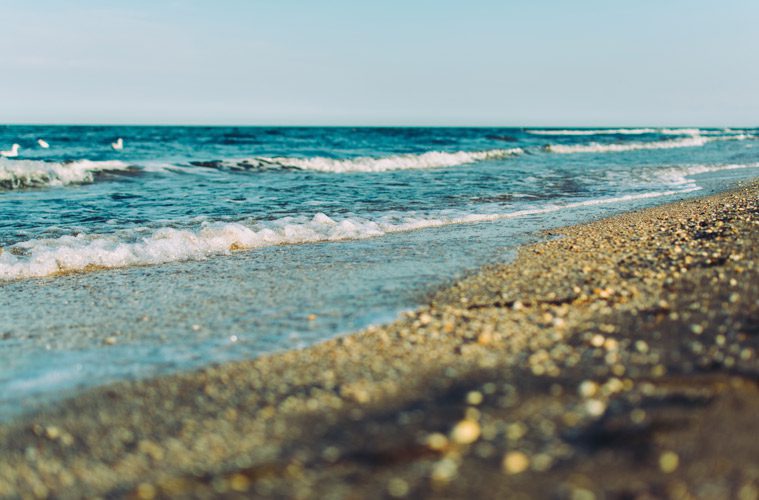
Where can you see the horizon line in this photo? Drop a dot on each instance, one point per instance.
(221, 125)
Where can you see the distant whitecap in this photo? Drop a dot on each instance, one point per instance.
(118, 145)
(12, 152)
(595, 147)
(430, 159)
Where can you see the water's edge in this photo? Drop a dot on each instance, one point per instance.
(49, 402)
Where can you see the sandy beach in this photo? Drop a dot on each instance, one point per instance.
(615, 360)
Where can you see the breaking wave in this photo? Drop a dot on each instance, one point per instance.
(618, 131)
(594, 147)
(431, 159)
(46, 257)
(22, 174)
(680, 175)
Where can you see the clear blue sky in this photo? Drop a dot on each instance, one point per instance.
(413, 62)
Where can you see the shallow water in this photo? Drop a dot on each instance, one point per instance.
(198, 245)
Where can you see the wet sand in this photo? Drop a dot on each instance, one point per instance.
(616, 360)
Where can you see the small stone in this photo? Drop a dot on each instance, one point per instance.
(331, 454)
(472, 413)
(638, 416)
(465, 432)
(397, 488)
(437, 441)
(311, 317)
(614, 385)
(587, 389)
(474, 398)
(582, 494)
(515, 462)
(67, 439)
(485, 338)
(239, 483)
(146, 491)
(618, 369)
(542, 462)
(595, 407)
(444, 470)
(109, 340)
(669, 461)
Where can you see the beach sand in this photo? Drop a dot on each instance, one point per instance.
(617, 359)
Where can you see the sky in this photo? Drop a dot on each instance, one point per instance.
(352, 62)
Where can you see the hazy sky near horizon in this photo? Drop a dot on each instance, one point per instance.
(341, 62)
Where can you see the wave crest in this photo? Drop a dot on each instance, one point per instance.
(431, 159)
(618, 131)
(22, 174)
(595, 147)
(47, 257)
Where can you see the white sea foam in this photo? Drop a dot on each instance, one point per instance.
(681, 175)
(640, 131)
(431, 159)
(603, 131)
(19, 174)
(45, 257)
(594, 147)
(619, 131)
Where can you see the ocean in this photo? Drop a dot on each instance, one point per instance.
(200, 245)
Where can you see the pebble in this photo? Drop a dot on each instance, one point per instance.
(597, 340)
(587, 389)
(515, 462)
(146, 491)
(474, 398)
(466, 431)
(595, 407)
(437, 441)
(240, 483)
(444, 470)
(669, 461)
(397, 488)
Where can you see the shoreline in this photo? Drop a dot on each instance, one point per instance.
(606, 362)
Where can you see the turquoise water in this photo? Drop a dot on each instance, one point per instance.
(197, 245)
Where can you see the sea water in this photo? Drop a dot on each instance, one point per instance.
(199, 245)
